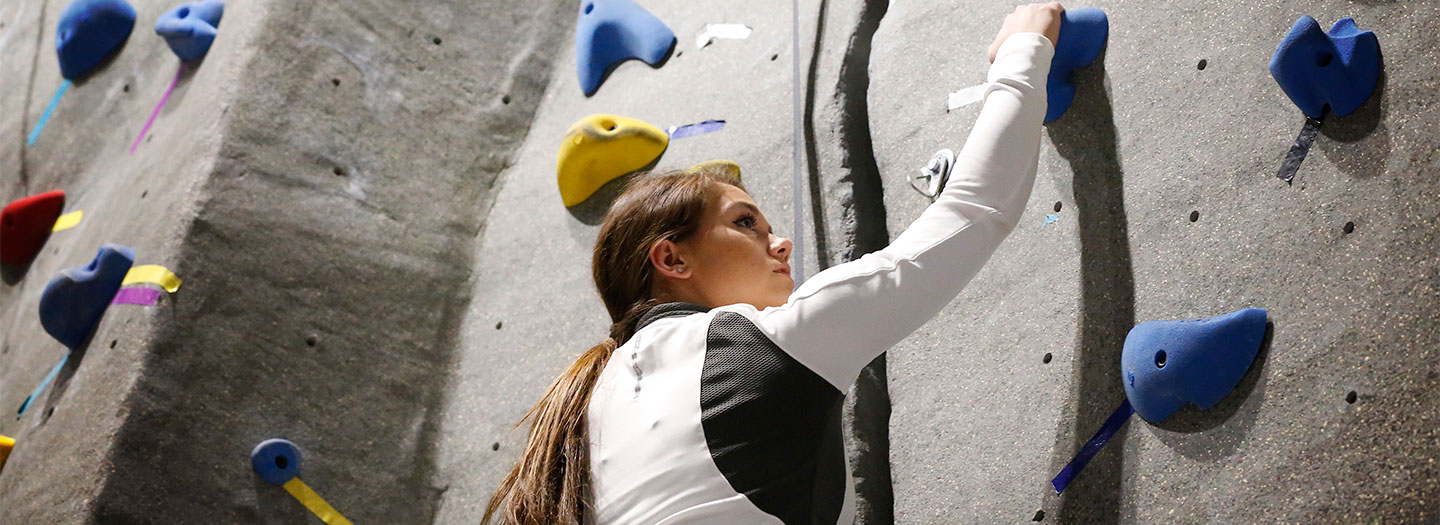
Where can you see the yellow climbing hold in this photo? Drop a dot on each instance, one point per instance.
(600, 148)
(5, 445)
(729, 167)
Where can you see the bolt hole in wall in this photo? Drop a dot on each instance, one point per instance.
(589, 8)
(1351, 397)
(335, 82)
(495, 446)
(436, 40)
(1348, 228)
(113, 342)
(312, 341)
(144, 193)
(505, 99)
(1201, 66)
(499, 324)
(1039, 516)
(1194, 215)
(774, 56)
(339, 171)
(1046, 359)
(1057, 206)
(1160, 359)
(125, 88)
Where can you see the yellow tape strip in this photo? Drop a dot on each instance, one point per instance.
(314, 502)
(5, 445)
(68, 220)
(152, 274)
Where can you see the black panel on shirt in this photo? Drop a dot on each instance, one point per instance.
(772, 425)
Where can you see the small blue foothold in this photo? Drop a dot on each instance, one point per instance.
(1168, 364)
(1339, 68)
(190, 28)
(1082, 38)
(76, 298)
(609, 32)
(89, 31)
(276, 461)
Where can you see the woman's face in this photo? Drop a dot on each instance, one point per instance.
(734, 257)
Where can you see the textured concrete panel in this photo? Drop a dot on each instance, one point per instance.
(316, 183)
(981, 423)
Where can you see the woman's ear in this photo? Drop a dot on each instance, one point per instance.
(666, 258)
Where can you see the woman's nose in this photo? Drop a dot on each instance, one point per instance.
(780, 247)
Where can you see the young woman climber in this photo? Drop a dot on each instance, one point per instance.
(716, 398)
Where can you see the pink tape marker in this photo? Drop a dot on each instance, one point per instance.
(138, 295)
(146, 130)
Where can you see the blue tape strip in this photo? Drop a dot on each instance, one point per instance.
(1092, 447)
(1049, 218)
(36, 394)
(698, 128)
(45, 117)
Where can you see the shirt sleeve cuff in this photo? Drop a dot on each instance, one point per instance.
(1025, 57)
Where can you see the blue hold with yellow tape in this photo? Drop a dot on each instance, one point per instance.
(1168, 364)
(76, 298)
(1338, 68)
(276, 461)
(609, 32)
(89, 31)
(190, 28)
(1082, 37)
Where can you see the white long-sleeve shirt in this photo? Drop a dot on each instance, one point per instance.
(732, 414)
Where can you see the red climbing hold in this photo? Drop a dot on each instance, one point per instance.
(26, 223)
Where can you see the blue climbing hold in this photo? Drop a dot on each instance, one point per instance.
(609, 32)
(276, 461)
(89, 31)
(1167, 364)
(76, 298)
(1339, 68)
(1082, 38)
(190, 28)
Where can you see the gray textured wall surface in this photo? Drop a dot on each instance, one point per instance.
(361, 198)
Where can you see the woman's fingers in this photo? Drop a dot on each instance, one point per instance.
(1030, 18)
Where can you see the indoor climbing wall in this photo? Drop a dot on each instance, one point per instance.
(1160, 192)
(316, 181)
(374, 208)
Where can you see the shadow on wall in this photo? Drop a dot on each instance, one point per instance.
(1210, 435)
(1086, 137)
(1359, 144)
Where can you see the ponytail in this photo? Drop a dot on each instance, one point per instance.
(551, 481)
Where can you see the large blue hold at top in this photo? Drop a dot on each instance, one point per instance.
(76, 298)
(1082, 37)
(1338, 68)
(190, 28)
(1168, 364)
(89, 31)
(609, 32)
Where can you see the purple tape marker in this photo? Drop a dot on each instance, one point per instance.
(156, 113)
(699, 128)
(139, 295)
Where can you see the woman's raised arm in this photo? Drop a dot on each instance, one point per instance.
(843, 317)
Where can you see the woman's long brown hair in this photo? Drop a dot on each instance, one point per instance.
(551, 481)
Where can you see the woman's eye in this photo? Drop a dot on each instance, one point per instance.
(746, 222)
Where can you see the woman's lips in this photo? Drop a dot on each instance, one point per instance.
(784, 268)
